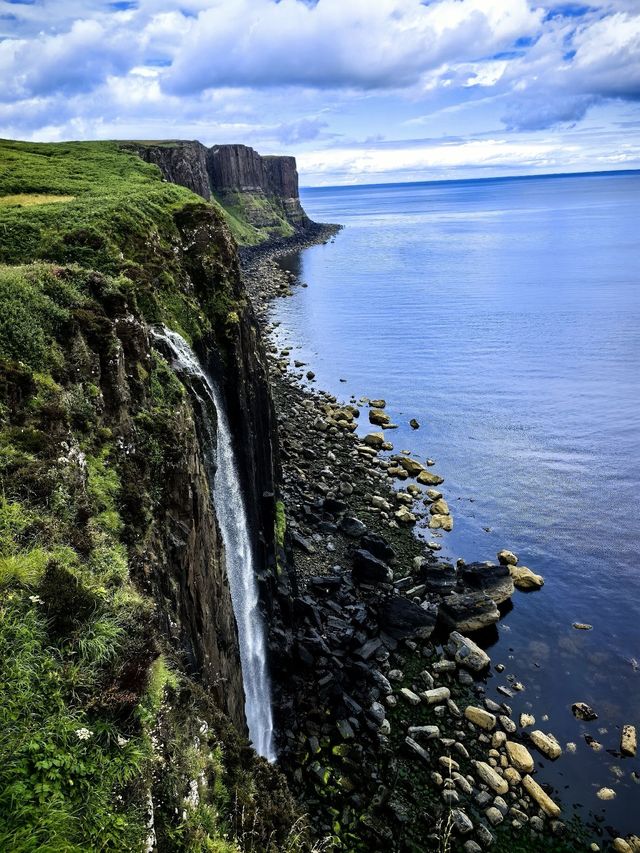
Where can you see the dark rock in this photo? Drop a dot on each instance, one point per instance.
(494, 580)
(369, 569)
(378, 546)
(583, 712)
(352, 527)
(469, 612)
(439, 578)
(402, 618)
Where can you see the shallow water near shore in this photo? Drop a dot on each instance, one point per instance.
(504, 315)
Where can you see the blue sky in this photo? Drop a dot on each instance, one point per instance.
(360, 91)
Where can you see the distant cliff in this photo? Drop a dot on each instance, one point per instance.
(259, 194)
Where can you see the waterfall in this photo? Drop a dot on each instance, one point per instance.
(230, 509)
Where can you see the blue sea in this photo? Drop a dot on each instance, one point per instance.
(504, 315)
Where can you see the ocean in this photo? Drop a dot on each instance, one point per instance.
(504, 315)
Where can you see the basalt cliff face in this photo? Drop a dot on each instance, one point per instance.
(261, 191)
(113, 570)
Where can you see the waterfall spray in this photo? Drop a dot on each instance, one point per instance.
(230, 509)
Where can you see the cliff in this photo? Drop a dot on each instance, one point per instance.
(118, 643)
(258, 194)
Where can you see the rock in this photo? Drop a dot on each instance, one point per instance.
(369, 569)
(520, 757)
(583, 712)
(378, 546)
(310, 374)
(419, 750)
(547, 744)
(621, 846)
(441, 522)
(467, 653)
(345, 729)
(383, 683)
(410, 696)
(628, 740)
(436, 696)
(481, 718)
(411, 466)
(494, 581)
(374, 439)
(449, 764)
(507, 558)
(439, 578)
(461, 822)
(484, 835)
(402, 618)
(378, 417)
(527, 720)
(378, 404)
(405, 516)
(352, 527)
(426, 732)
(494, 816)
(491, 778)
(413, 423)
(524, 579)
(606, 794)
(472, 846)
(582, 626)
(426, 478)
(541, 798)
(439, 507)
(469, 612)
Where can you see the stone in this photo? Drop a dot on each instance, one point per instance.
(439, 507)
(383, 683)
(352, 527)
(378, 417)
(413, 423)
(378, 546)
(345, 729)
(491, 778)
(494, 581)
(606, 794)
(436, 696)
(427, 478)
(439, 577)
(374, 439)
(402, 618)
(494, 816)
(512, 776)
(378, 404)
(411, 466)
(484, 834)
(621, 846)
(481, 718)
(461, 822)
(546, 743)
(469, 611)
(520, 757)
(441, 522)
(584, 712)
(424, 732)
(527, 720)
(582, 626)
(449, 764)
(507, 558)
(369, 569)
(543, 800)
(472, 846)
(628, 740)
(410, 696)
(524, 579)
(419, 750)
(467, 653)
(405, 516)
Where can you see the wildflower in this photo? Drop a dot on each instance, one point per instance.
(122, 741)
(35, 599)
(83, 734)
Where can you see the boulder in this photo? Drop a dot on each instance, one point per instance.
(402, 618)
(439, 507)
(479, 717)
(628, 740)
(369, 569)
(494, 580)
(524, 579)
(374, 439)
(469, 612)
(441, 522)
(426, 478)
(352, 527)
(583, 712)
(411, 466)
(546, 743)
(520, 757)
(405, 516)
(491, 778)
(507, 558)
(439, 577)
(378, 404)
(378, 546)
(467, 653)
(378, 417)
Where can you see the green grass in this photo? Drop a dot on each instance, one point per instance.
(29, 199)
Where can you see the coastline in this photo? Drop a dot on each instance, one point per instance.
(338, 625)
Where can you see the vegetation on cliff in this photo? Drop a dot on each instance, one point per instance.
(100, 715)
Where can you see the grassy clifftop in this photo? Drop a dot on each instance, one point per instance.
(106, 740)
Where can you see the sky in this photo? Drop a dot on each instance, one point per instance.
(360, 91)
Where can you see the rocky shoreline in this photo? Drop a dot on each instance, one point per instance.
(386, 731)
